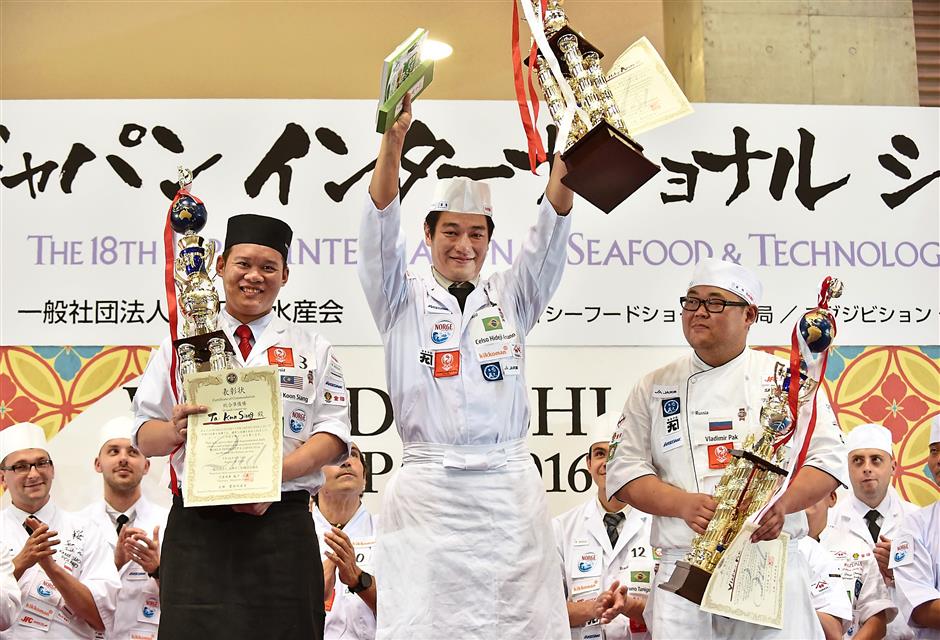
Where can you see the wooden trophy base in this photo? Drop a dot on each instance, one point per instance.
(201, 343)
(606, 167)
(687, 581)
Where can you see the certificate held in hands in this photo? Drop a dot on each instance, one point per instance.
(234, 451)
(403, 72)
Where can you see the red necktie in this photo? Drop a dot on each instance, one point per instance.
(244, 340)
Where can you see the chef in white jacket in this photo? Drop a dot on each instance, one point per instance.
(860, 582)
(915, 558)
(9, 591)
(346, 532)
(671, 449)
(465, 544)
(64, 569)
(825, 586)
(866, 518)
(131, 525)
(600, 542)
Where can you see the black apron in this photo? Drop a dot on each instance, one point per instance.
(237, 576)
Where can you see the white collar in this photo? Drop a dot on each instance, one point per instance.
(883, 507)
(131, 513)
(257, 325)
(603, 512)
(699, 365)
(44, 515)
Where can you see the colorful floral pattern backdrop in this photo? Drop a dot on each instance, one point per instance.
(896, 386)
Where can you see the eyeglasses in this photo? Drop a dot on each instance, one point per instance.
(712, 305)
(22, 468)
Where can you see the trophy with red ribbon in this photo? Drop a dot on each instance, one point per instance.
(605, 165)
(755, 477)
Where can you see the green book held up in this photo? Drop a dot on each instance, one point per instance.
(402, 72)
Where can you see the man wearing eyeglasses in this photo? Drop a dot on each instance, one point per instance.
(672, 443)
(64, 568)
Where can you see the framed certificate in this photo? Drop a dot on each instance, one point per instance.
(234, 451)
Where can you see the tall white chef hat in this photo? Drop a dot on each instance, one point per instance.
(729, 276)
(119, 428)
(602, 429)
(869, 436)
(24, 435)
(462, 195)
(935, 429)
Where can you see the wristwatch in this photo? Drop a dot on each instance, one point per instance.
(364, 582)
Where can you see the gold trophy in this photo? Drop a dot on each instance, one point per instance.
(202, 346)
(754, 473)
(605, 165)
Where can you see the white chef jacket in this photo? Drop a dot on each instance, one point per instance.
(414, 314)
(313, 393)
(860, 577)
(467, 477)
(848, 531)
(677, 424)
(589, 565)
(705, 400)
(825, 584)
(918, 578)
(82, 552)
(10, 601)
(349, 617)
(137, 609)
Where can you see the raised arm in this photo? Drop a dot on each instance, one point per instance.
(536, 273)
(381, 266)
(384, 185)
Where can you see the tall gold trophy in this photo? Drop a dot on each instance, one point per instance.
(202, 346)
(605, 165)
(755, 471)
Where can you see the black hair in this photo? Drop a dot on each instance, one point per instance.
(432, 218)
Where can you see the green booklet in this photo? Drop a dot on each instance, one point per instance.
(402, 72)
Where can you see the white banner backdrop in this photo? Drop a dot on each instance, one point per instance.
(796, 192)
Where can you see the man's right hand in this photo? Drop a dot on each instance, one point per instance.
(399, 129)
(39, 547)
(697, 510)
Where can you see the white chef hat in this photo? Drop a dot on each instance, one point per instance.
(935, 429)
(602, 429)
(119, 428)
(24, 435)
(462, 195)
(869, 436)
(729, 276)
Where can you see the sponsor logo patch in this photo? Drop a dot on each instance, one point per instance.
(298, 418)
(719, 455)
(672, 424)
(670, 407)
(426, 358)
(281, 356)
(442, 331)
(446, 363)
(492, 371)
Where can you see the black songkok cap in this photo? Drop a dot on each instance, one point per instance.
(249, 228)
